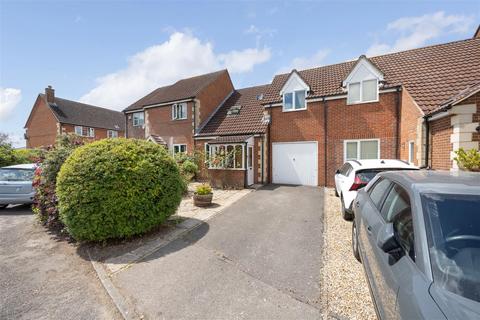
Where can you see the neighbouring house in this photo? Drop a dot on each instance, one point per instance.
(51, 116)
(171, 115)
(234, 141)
(417, 105)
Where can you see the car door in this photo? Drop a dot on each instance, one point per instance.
(344, 178)
(370, 222)
(339, 176)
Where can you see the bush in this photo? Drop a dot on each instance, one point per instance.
(45, 201)
(204, 189)
(468, 160)
(116, 188)
(28, 155)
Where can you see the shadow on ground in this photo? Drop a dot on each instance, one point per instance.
(17, 210)
(140, 247)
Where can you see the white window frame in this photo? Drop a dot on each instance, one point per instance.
(179, 145)
(214, 147)
(361, 92)
(112, 134)
(411, 150)
(135, 121)
(358, 148)
(293, 101)
(183, 113)
(81, 130)
(91, 132)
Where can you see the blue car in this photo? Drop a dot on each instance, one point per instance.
(417, 234)
(16, 184)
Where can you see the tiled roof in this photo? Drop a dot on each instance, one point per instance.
(182, 89)
(462, 95)
(76, 113)
(230, 139)
(247, 121)
(431, 74)
(157, 139)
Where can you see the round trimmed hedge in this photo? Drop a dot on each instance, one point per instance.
(115, 188)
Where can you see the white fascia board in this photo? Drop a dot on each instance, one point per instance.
(166, 103)
(294, 83)
(365, 66)
(205, 137)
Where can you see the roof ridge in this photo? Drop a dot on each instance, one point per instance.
(253, 87)
(199, 75)
(85, 104)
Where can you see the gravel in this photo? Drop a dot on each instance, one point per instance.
(345, 293)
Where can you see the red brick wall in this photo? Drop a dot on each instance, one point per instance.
(42, 125)
(360, 121)
(212, 95)
(134, 132)
(440, 146)
(409, 114)
(100, 133)
(227, 179)
(159, 121)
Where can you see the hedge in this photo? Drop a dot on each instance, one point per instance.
(116, 188)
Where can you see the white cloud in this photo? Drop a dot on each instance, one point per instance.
(415, 32)
(9, 98)
(301, 63)
(260, 33)
(182, 55)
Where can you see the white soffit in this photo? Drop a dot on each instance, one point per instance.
(363, 70)
(294, 83)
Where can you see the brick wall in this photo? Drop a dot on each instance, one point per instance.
(345, 122)
(42, 126)
(100, 133)
(212, 95)
(227, 179)
(134, 132)
(409, 115)
(159, 121)
(440, 145)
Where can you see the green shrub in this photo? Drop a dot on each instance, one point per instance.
(204, 189)
(468, 160)
(115, 188)
(44, 182)
(28, 155)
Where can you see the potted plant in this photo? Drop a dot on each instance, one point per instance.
(203, 195)
(468, 160)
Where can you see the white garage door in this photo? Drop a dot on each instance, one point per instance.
(295, 163)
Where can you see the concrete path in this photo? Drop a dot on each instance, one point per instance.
(259, 259)
(41, 278)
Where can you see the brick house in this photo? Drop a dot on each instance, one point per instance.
(172, 114)
(238, 129)
(396, 105)
(51, 116)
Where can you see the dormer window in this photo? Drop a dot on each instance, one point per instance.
(234, 110)
(294, 100)
(363, 91)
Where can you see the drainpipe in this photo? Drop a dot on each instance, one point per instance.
(262, 158)
(397, 135)
(126, 125)
(269, 144)
(325, 134)
(194, 126)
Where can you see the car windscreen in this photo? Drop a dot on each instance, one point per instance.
(453, 232)
(15, 174)
(368, 174)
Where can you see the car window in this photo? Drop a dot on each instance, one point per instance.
(403, 228)
(378, 191)
(345, 169)
(14, 174)
(396, 201)
(349, 170)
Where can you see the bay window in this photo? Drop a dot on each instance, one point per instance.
(363, 91)
(361, 149)
(294, 100)
(226, 156)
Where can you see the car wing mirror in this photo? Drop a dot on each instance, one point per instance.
(338, 171)
(386, 238)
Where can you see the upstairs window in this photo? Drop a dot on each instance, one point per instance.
(179, 111)
(294, 100)
(138, 119)
(363, 91)
(177, 148)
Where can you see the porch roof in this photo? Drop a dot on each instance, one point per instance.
(230, 139)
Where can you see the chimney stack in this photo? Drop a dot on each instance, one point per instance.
(50, 94)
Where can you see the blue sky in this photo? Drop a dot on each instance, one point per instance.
(110, 53)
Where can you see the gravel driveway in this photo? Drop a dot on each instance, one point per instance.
(345, 293)
(43, 278)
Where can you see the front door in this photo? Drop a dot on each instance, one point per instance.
(250, 162)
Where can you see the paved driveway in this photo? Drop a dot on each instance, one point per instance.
(42, 278)
(258, 259)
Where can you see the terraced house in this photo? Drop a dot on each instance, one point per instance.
(418, 105)
(51, 116)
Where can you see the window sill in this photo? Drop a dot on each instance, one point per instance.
(361, 102)
(179, 119)
(293, 110)
(232, 169)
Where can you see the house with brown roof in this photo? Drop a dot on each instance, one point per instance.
(51, 116)
(417, 105)
(172, 114)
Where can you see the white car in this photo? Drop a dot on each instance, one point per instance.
(16, 184)
(355, 174)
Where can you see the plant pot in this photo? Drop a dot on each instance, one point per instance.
(202, 200)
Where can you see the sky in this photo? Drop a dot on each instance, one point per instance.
(111, 53)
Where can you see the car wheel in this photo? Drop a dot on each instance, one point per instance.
(345, 214)
(356, 254)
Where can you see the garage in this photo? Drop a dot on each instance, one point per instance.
(295, 163)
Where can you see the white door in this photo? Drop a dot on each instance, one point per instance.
(295, 163)
(250, 162)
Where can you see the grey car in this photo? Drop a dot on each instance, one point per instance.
(16, 184)
(417, 234)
